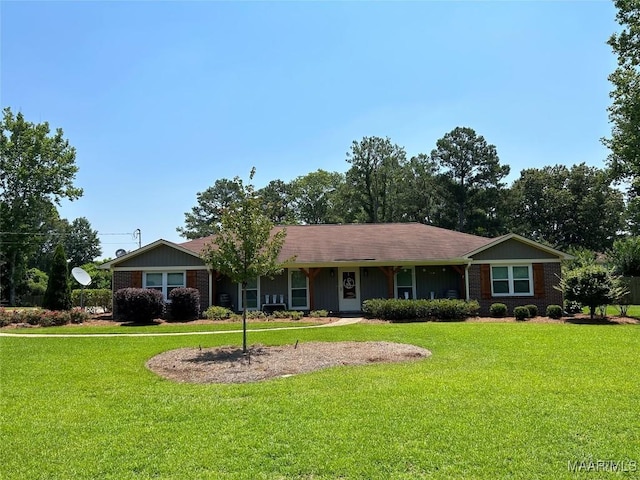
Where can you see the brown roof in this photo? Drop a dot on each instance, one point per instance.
(375, 243)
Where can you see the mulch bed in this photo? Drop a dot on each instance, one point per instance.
(229, 365)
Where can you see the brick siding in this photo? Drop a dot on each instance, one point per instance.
(551, 295)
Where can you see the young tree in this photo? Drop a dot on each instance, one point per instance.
(245, 246)
(474, 176)
(592, 286)
(204, 219)
(58, 293)
(37, 171)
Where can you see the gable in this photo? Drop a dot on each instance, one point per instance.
(513, 249)
(162, 256)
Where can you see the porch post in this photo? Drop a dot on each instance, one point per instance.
(311, 274)
(389, 273)
(463, 287)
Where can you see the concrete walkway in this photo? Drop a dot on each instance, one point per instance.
(339, 323)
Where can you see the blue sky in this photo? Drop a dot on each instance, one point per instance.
(160, 99)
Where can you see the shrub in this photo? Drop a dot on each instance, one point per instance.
(318, 313)
(521, 313)
(292, 314)
(498, 310)
(93, 298)
(533, 310)
(217, 313)
(77, 315)
(185, 303)
(58, 293)
(572, 307)
(256, 315)
(138, 305)
(412, 310)
(554, 311)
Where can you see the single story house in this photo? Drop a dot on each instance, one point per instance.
(337, 267)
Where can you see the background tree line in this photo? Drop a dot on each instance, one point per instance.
(459, 185)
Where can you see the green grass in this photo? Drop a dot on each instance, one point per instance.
(505, 400)
(161, 328)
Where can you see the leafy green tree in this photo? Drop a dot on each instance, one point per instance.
(624, 111)
(592, 286)
(473, 185)
(420, 198)
(100, 279)
(244, 247)
(204, 219)
(625, 256)
(576, 207)
(316, 197)
(58, 293)
(277, 200)
(37, 171)
(375, 179)
(81, 242)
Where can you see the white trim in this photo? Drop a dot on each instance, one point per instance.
(158, 269)
(306, 306)
(466, 282)
(211, 280)
(510, 281)
(413, 282)
(165, 284)
(240, 305)
(514, 261)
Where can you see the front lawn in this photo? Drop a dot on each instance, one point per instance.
(496, 400)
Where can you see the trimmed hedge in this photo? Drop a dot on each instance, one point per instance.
(498, 310)
(554, 311)
(185, 304)
(94, 298)
(521, 313)
(138, 305)
(415, 310)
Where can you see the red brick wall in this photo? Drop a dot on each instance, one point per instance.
(195, 279)
(551, 296)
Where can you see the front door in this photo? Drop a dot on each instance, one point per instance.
(349, 289)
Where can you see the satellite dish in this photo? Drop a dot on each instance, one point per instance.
(120, 252)
(81, 276)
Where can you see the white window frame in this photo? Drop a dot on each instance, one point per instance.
(291, 289)
(413, 282)
(241, 306)
(165, 286)
(510, 280)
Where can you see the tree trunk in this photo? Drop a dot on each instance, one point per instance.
(244, 318)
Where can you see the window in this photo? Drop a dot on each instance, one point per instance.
(164, 282)
(253, 294)
(511, 280)
(405, 283)
(298, 290)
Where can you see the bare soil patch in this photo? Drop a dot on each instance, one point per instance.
(229, 365)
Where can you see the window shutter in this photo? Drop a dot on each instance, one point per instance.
(538, 280)
(192, 276)
(485, 281)
(136, 279)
